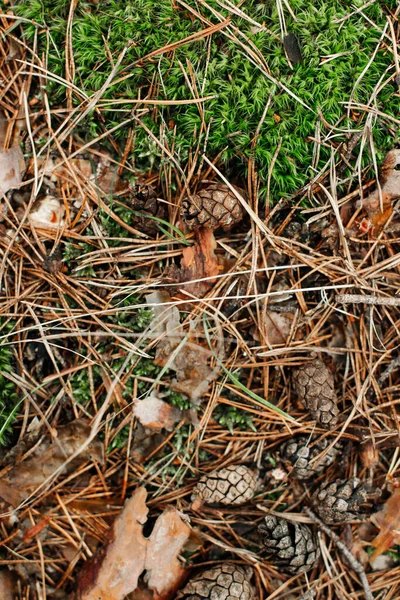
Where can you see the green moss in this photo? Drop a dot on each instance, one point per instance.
(241, 90)
(8, 390)
(233, 418)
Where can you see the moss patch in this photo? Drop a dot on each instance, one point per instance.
(222, 68)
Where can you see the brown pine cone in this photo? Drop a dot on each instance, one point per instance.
(303, 453)
(292, 545)
(235, 484)
(313, 382)
(144, 200)
(215, 206)
(222, 582)
(343, 500)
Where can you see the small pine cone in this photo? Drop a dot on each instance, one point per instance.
(293, 545)
(222, 582)
(235, 484)
(314, 385)
(303, 455)
(215, 206)
(342, 500)
(144, 200)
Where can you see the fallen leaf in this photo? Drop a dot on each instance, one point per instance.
(378, 205)
(198, 262)
(168, 537)
(47, 212)
(155, 413)
(47, 458)
(104, 175)
(145, 442)
(12, 165)
(276, 328)
(114, 571)
(388, 521)
(383, 562)
(8, 588)
(191, 361)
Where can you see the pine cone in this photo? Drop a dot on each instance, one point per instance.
(235, 484)
(303, 454)
(223, 582)
(343, 500)
(215, 206)
(144, 200)
(314, 385)
(293, 545)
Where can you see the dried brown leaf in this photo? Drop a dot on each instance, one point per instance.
(105, 177)
(114, 572)
(378, 205)
(8, 588)
(12, 165)
(47, 212)
(191, 362)
(164, 571)
(155, 413)
(388, 521)
(198, 262)
(47, 458)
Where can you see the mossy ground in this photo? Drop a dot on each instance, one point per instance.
(222, 68)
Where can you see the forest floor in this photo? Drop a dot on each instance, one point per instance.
(142, 349)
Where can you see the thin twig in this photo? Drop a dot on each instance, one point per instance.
(395, 363)
(372, 300)
(353, 562)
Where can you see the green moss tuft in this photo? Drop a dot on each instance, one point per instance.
(241, 90)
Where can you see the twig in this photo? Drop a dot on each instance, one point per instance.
(395, 363)
(353, 562)
(361, 299)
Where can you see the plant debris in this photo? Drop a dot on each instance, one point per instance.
(181, 353)
(199, 266)
(292, 48)
(379, 204)
(155, 413)
(127, 130)
(8, 586)
(309, 456)
(388, 522)
(50, 456)
(47, 212)
(114, 571)
(12, 165)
